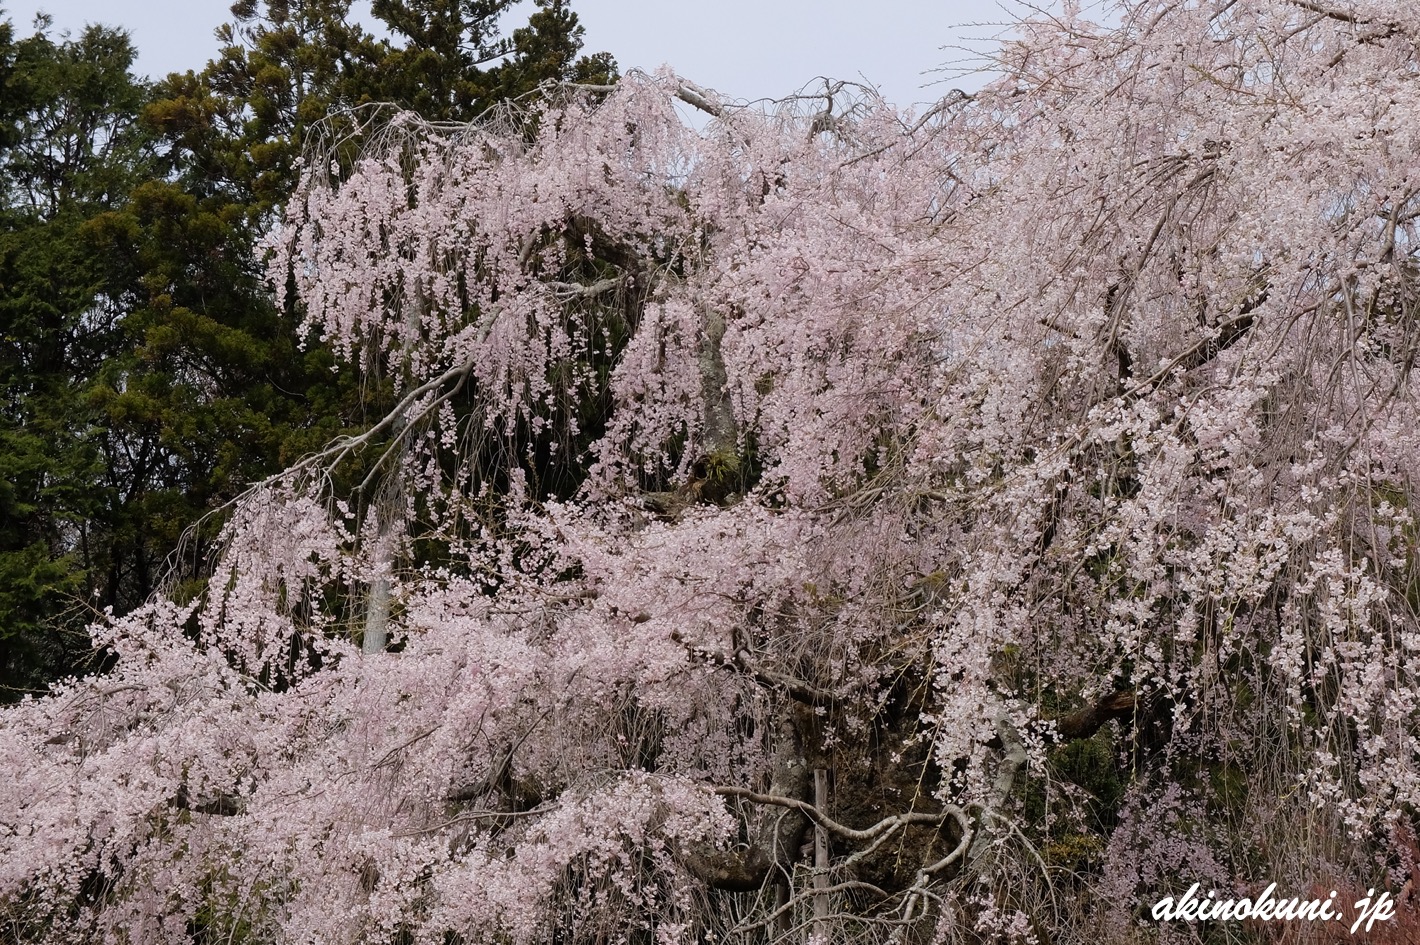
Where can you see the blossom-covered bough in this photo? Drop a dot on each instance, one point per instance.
(948, 529)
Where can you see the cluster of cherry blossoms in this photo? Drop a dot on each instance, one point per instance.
(965, 527)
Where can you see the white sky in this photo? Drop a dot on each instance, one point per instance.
(743, 48)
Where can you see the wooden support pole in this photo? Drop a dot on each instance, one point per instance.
(784, 923)
(820, 857)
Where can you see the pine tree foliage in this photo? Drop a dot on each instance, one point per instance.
(150, 377)
(71, 150)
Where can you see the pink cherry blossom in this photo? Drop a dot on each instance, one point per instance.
(1076, 415)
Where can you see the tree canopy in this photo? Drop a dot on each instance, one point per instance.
(70, 150)
(148, 377)
(831, 521)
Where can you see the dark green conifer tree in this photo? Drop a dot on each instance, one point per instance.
(71, 150)
(147, 376)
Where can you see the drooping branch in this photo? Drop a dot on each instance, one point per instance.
(1230, 333)
(819, 818)
(1083, 723)
(797, 689)
(685, 90)
(1338, 15)
(739, 870)
(570, 291)
(743, 660)
(222, 805)
(774, 840)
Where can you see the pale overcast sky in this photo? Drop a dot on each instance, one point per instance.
(744, 48)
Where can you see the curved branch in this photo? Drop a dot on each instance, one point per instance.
(1083, 723)
(821, 819)
(742, 870)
